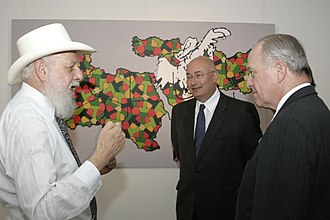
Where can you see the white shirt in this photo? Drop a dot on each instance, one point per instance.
(287, 96)
(209, 109)
(39, 177)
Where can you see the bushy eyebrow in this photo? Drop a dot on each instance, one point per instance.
(72, 62)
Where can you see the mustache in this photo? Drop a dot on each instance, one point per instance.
(74, 84)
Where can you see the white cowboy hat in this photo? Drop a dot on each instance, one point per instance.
(40, 42)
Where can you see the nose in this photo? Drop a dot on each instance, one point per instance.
(191, 83)
(192, 80)
(78, 74)
(249, 81)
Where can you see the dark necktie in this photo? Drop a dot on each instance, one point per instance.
(200, 129)
(66, 135)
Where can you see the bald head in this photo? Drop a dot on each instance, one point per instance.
(205, 61)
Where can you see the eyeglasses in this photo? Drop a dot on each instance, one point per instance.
(198, 75)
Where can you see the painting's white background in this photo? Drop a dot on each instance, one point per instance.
(149, 194)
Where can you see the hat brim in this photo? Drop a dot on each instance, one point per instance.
(14, 72)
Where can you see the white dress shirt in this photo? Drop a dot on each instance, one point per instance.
(210, 106)
(39, 177)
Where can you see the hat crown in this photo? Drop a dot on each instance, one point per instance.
(42, 37)
(43, 41)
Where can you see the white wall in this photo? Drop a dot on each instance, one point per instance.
(149, 194)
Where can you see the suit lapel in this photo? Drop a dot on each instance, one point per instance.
(188, 129)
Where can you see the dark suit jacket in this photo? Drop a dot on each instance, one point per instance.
(289, 175)
(211, 181)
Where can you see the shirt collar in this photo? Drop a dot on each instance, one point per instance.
(45, 106)
(211, 103)
(287, 96)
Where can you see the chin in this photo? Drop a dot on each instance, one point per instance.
(258, 103)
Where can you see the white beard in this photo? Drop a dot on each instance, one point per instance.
(61, 98)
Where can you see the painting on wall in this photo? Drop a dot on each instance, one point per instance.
(138, 74)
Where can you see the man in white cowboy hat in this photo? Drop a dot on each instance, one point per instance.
(41, 176)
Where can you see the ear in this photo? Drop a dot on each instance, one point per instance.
(282, 70)
(215, 76)
(40, 70)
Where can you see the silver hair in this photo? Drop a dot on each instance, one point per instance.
(28, 71)
(287, 49)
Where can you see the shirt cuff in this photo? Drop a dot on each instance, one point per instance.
(89, 175)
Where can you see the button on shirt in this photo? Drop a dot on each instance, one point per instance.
(39, 177)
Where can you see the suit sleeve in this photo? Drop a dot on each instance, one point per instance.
(174, 135)
(283, 168)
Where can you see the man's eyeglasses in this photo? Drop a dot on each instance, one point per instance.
(198, 75)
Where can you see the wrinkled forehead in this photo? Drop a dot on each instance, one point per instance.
(70, 57)
(254, 54)
(194, 72)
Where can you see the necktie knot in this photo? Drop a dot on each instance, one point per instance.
(201, 107)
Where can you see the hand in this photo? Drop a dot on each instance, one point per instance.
(112, 164)
(110, 142)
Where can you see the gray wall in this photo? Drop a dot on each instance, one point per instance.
(130, 194)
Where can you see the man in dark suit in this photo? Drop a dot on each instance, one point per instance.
(211, 173)
(288, 177)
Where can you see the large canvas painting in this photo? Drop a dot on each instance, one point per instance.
(138, 74)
